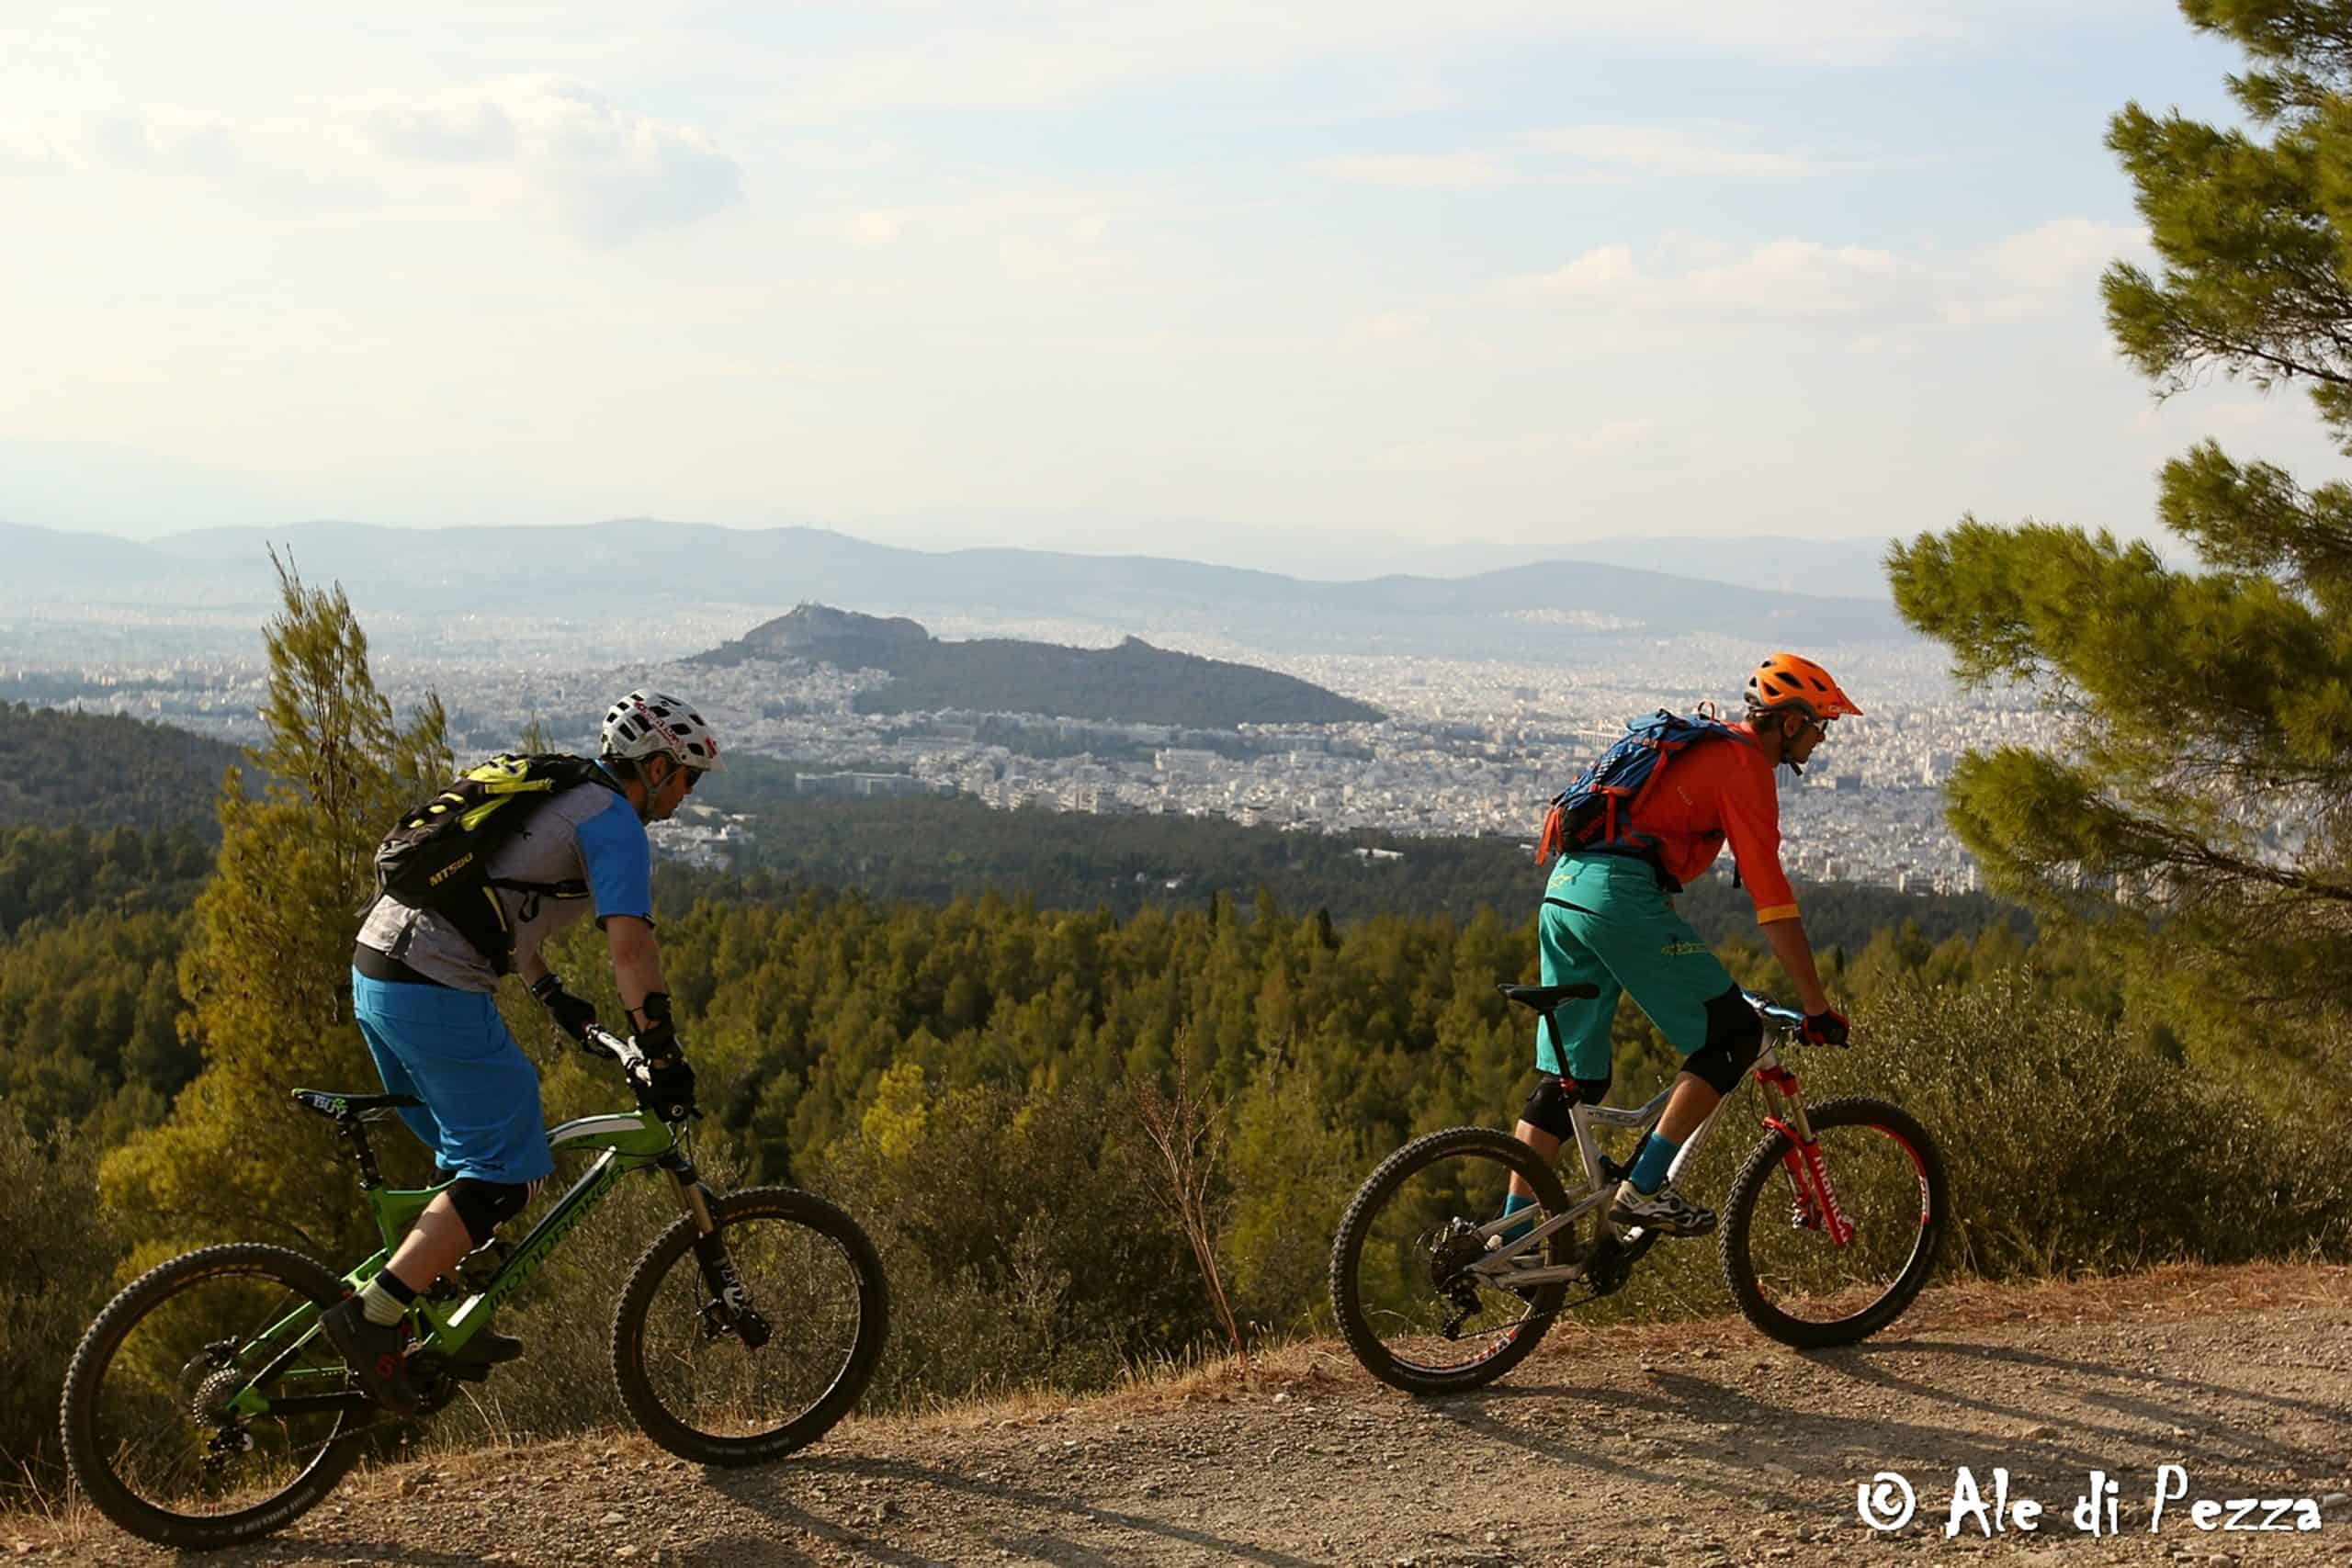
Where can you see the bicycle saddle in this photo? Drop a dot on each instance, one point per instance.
(367, 1107)
(1544, 998)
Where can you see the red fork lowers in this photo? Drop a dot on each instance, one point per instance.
(1811, 1179)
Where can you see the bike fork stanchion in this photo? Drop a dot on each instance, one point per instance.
(729, 1300)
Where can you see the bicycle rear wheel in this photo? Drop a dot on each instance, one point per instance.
(1790, 1278)
(736, 1376)
(151, 1431)
(1406, 1299)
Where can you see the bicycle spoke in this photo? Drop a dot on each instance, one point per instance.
(699, 1363)
(160, 1413)
(1879, 1189)
(1415, 1285)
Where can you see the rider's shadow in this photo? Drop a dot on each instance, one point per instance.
(2213, 1442)
(764, 1495)
(1762, 1428)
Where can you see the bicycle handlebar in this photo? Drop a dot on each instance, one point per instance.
(602, 1042)
(1772, 1010)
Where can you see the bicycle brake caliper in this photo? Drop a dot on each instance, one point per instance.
(730, 1306)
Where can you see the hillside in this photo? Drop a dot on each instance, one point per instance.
(1133, 683)
(933, 850)
(97, 771)
(1696, 1444)
(622, 567)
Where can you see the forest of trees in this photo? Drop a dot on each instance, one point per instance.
(105, 770)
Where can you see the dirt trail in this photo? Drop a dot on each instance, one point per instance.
(1698, 1445)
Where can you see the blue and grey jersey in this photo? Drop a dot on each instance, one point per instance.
(587, 833)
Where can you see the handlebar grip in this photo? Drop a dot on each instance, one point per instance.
(603, 1041)
(1770, 1009)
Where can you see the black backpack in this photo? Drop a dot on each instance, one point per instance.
(437, 857)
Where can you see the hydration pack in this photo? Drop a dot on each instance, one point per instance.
(1596, 813)
(438, 856)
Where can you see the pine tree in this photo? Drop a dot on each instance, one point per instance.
(265, 972)
(2199, 810)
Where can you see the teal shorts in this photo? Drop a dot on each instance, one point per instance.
(1606, 922)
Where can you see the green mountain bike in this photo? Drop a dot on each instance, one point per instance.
(205, 1408)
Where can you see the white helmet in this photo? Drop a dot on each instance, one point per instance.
(648, 724)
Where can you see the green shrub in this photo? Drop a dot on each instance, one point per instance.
(1023, 1249)
(62, 1253)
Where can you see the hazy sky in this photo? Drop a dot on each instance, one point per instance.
(1211, 279)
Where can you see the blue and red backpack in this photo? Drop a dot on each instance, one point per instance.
(1596, 813)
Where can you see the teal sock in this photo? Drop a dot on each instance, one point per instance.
(1512, 1203)
(1649, 1169)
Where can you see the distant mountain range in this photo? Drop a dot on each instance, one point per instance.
(633, 566)
(1134, 682)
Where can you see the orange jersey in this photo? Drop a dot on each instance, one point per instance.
(1717, 791)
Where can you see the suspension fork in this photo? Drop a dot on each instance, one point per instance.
(1802, 1159)
(729, 1298)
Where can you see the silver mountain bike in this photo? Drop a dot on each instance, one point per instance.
(1830, 1229)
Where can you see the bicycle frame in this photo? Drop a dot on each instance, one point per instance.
(1784, 1113)
(629, 1141)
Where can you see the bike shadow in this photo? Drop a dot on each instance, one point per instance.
(2199, 1409)
(1733, 1431)
(765, 1494)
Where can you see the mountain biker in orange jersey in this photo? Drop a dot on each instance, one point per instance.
(1607, 920)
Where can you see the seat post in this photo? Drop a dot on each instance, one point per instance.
(355, 1132)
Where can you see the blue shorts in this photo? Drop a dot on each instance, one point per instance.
(451, 1050)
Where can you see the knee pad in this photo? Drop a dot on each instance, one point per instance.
(1735, 1036)
(1547, 1107)
(480, 1205)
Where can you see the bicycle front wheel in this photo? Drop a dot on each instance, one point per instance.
(1409, 1300)
(153, 1429)
(1793, 1279)
(757, 1341)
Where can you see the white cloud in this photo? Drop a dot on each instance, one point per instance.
(1652, 151)
(1458, 171)
(1781, 279)
(2062, 253)
(457, 131)
(2041, 269)
(1568, 154)
(1385, 327)
(602, 172)
(615, 174)
(1078, 217)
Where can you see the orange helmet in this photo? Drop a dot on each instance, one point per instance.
(1790, 680)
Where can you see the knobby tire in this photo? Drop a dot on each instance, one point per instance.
(1756, 1180)
(1355, 1225)
(672, 1250)
(84, 1380)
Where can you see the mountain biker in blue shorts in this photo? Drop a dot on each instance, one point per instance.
(1608, 920)
(424, 999)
